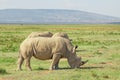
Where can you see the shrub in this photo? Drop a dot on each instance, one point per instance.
(3, 71)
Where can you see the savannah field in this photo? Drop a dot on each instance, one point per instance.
(100, 44)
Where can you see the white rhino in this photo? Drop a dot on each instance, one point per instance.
(61, 34)
(48, 48)
(40, 34)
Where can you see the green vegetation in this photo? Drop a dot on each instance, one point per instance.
(100, 44)
(3, 71)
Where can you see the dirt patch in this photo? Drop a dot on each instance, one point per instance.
(107, 63)
(2, 79)
(7, 79)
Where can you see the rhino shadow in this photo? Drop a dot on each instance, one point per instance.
(37, 69)
(95, 67)
(90, 67)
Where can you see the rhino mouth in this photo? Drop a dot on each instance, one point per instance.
(83, 62)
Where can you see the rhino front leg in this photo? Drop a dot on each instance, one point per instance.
(56, 65)
(55, 61)
(27, 63)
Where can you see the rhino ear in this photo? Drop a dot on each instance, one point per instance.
(76, 46)
(74, 49)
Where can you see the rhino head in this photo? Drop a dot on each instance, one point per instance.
(74, 61)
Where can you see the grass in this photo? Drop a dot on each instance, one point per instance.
(98, 43)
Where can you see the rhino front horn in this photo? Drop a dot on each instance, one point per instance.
(83, 62)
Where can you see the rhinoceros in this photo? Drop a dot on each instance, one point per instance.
(61, 34)
(40, 34)
(44, 48)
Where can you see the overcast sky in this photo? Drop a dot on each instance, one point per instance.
(107, 7)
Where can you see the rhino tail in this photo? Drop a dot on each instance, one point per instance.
(19, 54)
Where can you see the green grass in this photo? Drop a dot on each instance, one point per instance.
(100, 44)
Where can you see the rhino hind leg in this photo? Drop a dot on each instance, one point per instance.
(20, 62)
(55, 61)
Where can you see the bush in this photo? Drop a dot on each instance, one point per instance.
(3, 71)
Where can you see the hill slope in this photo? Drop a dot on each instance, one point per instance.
(52, 16)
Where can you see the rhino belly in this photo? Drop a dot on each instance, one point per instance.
(43, 56)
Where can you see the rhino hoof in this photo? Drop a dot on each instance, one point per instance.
(18, 69)
(51, 69)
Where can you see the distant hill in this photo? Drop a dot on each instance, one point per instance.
(53, 16)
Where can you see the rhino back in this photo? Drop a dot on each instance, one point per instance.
(40, 34)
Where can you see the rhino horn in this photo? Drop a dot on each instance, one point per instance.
(83, 62)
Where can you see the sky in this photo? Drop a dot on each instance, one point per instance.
(106, 7)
